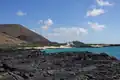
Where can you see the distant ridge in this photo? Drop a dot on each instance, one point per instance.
(21, 33)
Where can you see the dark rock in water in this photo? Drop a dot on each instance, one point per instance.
(104, 54)
(113, 58)
(35, 65)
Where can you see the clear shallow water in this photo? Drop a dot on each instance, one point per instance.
(113, 51)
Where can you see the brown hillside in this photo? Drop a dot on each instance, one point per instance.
(22, 33)
(6, 39)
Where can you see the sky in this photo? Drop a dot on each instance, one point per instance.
(89, 21)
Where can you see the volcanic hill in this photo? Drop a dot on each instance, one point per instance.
(17, 34)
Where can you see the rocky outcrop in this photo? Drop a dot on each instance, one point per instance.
(35, 65)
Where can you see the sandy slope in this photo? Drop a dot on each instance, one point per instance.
(6, 39)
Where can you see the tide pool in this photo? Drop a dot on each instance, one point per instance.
(112, 51)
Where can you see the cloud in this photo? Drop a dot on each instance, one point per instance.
(40, 22)
(20, 13)
(46, 24)
(95, 12)
(103, 3)
(45, 27)
(96, 26)
(67, 34)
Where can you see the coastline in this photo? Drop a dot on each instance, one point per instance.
(62, 47)
(46, 47)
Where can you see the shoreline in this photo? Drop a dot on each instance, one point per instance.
(62, 47)
(45, 47)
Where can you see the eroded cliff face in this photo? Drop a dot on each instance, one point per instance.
(36, 65)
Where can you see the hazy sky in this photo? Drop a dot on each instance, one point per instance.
(90, 21)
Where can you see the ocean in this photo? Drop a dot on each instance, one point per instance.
(112, 51)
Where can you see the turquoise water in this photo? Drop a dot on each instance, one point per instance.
(113, 51)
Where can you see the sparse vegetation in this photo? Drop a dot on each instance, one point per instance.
(79, 44)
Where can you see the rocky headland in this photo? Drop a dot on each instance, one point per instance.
(37, 65)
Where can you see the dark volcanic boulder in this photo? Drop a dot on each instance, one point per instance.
(104, 54)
